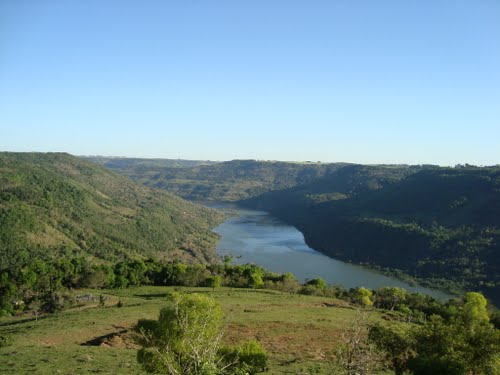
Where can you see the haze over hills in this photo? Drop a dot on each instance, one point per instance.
(137, 164)
(54, 205)
(437, 225)
(227, 181)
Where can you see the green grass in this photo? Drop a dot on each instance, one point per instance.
(299, 332)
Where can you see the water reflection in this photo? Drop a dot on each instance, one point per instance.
(257, 237)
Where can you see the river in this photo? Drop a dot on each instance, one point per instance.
(257, 237)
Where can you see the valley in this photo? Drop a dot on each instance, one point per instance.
(437, 226)
(87, 254)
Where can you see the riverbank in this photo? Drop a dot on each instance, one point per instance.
(253, 236)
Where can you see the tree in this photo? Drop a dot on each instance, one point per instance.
(289, 283)
(95, 278)
(438, 345)
(394, 343)
(474, 311)
(8, 290)
(185, 338)
(464, 344)
(254, 275)
(318, 283)
(389, 297)
(362, 296)
(214, 282)
(356, 355)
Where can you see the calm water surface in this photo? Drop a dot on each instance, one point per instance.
(257, 237)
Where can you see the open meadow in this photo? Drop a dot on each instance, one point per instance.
(299, 332)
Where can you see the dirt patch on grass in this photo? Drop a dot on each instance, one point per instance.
(119, 339)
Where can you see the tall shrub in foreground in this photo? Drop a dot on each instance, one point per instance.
(356, 355)
(186, 340)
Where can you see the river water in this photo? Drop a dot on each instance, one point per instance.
(253, 236)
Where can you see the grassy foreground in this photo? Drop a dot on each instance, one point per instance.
(299, 332)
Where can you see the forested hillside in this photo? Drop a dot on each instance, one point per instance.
(57, 205)
(437, 224)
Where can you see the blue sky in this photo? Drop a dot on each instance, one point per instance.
(358, 81)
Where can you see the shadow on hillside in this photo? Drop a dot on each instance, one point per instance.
(104, 338)
(27, 320)
(151, 295)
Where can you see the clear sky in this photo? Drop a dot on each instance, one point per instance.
(348, 80)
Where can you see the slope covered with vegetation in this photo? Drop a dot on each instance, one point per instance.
(438, 224)
(146, 168)
(228, 181)
(57, 205)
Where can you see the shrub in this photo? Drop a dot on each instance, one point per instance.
(5, 340)
(248, 358)
(185, 338)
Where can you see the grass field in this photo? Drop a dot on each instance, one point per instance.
(299, 332)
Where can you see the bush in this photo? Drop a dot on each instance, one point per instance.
(426, 366)
(310, 290)
(248, 358)
(185, 338)
(317, 283)
(5, 340)
(52, 302)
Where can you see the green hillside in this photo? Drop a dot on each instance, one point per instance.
(135, 166)
(437, 224)
(58, 205)
(229, 181)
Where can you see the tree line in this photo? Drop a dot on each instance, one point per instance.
(42, 285)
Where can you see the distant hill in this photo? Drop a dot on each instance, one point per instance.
(229, 181)
(54, 205)
(146, 168)
(124, 164)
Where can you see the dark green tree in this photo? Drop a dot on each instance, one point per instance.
(395, 343)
